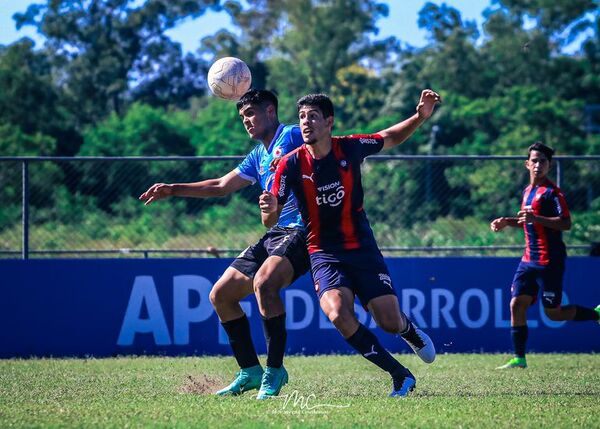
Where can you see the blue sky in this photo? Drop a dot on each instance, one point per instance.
(402, 22)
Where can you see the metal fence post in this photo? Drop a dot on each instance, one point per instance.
(558, 173)
(25, 210)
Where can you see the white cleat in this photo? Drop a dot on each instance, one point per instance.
(421, 344)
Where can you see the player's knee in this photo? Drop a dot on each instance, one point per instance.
(517, 307)
(214, 297)
(265, 286)
(219, 295)
(342, 320)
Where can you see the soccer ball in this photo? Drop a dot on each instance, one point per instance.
(229, 78)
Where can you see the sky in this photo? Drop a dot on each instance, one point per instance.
(401, 22)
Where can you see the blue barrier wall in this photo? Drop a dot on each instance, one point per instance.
(160, 306)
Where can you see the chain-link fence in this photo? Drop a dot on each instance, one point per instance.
(417, 205)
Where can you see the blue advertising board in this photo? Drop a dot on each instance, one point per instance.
(161, 306)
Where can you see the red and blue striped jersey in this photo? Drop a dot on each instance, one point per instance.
(329, 192)
(544, 245)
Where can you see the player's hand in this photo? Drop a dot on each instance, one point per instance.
(267, 202)
(156, 192)
(498, 224)
(427, 103)
(525, 216)
(274, 163)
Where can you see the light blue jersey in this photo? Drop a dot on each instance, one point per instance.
(255, 167)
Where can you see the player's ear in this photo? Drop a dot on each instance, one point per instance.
(329, 122)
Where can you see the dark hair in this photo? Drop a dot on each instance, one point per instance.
(321, 101)
(259, 97)
(541, 147)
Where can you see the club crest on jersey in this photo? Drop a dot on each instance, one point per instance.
(343, 163)
(317, 286)
(261, 170)
(277, 152)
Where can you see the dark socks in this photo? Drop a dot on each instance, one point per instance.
(367, 344)
(276, 336)
(240, 339)
(519, 338)
(583, 313)
(410, 334)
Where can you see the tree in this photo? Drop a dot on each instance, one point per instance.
(30, 101)
(100, 49)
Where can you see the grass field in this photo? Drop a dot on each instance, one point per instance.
(456, 391)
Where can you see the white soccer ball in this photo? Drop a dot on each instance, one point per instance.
(229, 78)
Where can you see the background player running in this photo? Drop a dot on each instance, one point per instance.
(325, 176)
(274, 262)
(543, 216)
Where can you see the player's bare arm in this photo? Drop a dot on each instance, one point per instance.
(398, 133)
(500, 223)
(556, 222)
(220, 187)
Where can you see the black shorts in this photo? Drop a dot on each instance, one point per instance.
(531, 277)
(363, 271)
(278, 241)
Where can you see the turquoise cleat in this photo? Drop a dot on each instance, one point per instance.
(272, 381)
(246, 379)
(598, 311)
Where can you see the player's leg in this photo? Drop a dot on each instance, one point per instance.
(234, 285)
(385, 309)
(524, 289)
(374, 287)
(338, 306)
(551, 282)
(288, 260)
(574, 312)
(275, 273)
(519, 331)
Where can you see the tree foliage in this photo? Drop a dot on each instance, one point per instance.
(110, 82)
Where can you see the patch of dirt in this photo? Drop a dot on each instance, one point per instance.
(202, 384)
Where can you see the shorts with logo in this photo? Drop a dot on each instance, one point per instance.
(530, 277)
(362, 271)
(278, 241)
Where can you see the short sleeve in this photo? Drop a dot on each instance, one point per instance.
(560, 203)
(366, 144)
(248, 168)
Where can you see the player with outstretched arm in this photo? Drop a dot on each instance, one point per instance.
(325, 176)
(274, 262)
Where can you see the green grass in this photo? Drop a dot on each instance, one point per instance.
(455, 391)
